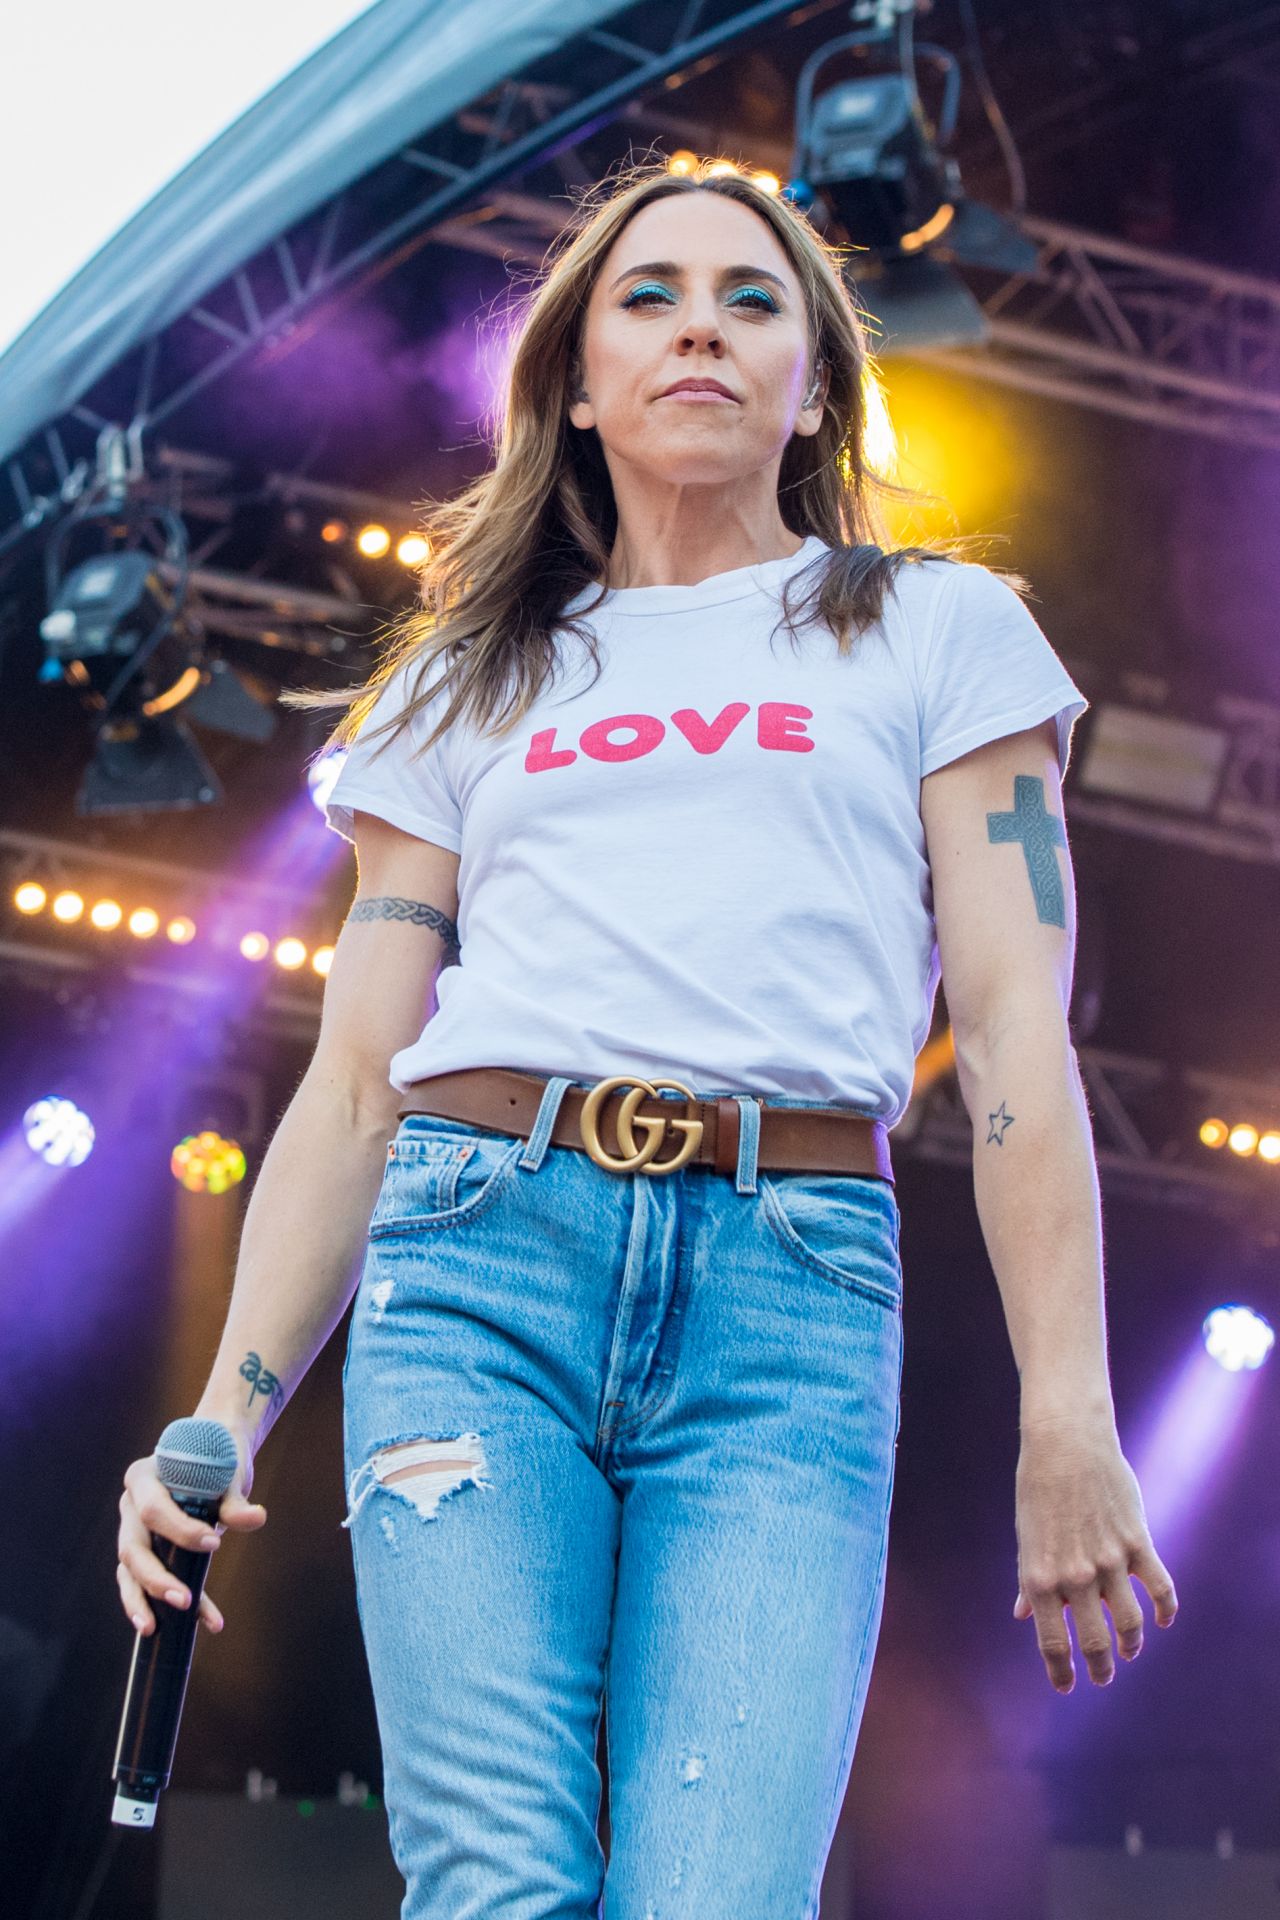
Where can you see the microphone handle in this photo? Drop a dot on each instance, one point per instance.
(158, 1677)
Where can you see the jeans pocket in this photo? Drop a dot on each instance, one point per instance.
(440, 1172)
(843, 1226)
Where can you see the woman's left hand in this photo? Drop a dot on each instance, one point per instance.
(1081, 1532)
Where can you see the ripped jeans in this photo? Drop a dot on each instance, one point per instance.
(628, 1434)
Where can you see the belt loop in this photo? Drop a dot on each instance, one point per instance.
(748, 1141)
(548, 1108)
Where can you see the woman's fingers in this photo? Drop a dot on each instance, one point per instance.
(148, 1508)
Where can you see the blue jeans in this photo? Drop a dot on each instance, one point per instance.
(633, 1433)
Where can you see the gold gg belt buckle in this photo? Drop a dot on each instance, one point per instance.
(640, 1159)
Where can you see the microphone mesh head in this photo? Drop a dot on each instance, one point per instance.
(196, 1456)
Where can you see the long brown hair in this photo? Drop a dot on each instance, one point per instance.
(516, 544)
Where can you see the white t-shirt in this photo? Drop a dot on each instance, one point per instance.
(710, 863)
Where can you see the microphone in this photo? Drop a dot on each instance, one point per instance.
(196, 1459)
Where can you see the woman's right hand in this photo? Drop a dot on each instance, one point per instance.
(147, 1507)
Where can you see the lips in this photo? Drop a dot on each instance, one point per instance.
(698, 386)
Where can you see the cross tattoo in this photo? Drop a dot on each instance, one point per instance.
(1039, 832)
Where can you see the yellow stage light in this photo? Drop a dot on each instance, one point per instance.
(106, 914)
(181, 930)
(682, 161)
(206, 1163)
(30, 897)
(722, 166)
(290, 953)
(412, 550)
(1213, 1133)
(1243, 1139)
(767, 182)
(322, 959)
(68, 907)
(143, 922)
(255, 946)
(1269, 1147)
(373, 541)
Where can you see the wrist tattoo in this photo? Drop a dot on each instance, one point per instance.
(386, 906)
(261, 1382)
(999, 1122)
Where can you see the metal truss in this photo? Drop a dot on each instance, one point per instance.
(1123, 329)
(1131, 331)
(1144, 1112)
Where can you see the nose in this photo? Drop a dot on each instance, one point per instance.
(700, 325)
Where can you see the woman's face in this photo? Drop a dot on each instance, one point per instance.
(696, 287)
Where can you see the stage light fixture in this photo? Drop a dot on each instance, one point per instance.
(207, 1163)
(181, 930)
(143, 765)
(106, 915)
(1156, 759)
(1237, 1337)
(30, 897)
(322, 960)
(373, 541)
(68, 907)
(255, 946)
(290, 954)
(1243, 1139)
(57, 1130)
(144, 922)
(867, 156)
(412, 550)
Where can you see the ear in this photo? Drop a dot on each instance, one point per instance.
(814, 401)
(581, 413)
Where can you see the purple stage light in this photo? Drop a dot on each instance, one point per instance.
(1237, 1337)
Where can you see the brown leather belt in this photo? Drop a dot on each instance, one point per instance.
(702, 1132)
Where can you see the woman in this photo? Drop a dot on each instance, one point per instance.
(621, 1388)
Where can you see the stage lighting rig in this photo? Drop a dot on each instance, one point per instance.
(867, 157)
(115, 630)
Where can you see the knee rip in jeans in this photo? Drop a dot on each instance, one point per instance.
(421, 1472)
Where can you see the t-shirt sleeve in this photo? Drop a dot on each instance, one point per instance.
(393, 778)
(988, 671)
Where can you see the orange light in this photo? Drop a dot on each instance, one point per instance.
(1243, 1139)
(682, 161)
(373, 541)
(30, 897)
(181, 931)
(106, 914)
(68, 907)
(143, 922)
(1213, 1133)
(767, 182)
(333, 530)
(290, 953)
(412, 550)
(207, 1163)
(322, 959)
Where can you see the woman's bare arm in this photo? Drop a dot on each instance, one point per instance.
(307, 1218)
(308, 1215)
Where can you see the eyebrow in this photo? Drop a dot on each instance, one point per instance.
(673, 271)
